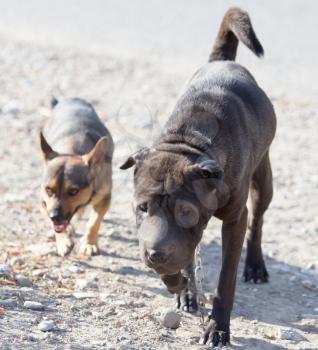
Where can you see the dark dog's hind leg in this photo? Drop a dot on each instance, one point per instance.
(187, 299)
(261, 192)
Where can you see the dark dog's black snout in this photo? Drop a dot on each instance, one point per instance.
(56, 216)
(156, 257)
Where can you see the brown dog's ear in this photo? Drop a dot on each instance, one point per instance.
(134, 158)
(98, 153)
(208, 169)
(47, 152)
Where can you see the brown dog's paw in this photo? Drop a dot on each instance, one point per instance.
(88, 249)
(255, 272)
(187, 301)
(214, 337)
(64, 244)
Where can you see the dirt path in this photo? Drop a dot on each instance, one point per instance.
(121, 300)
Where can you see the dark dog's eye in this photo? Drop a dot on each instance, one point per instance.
(49, 192)
(73, 191)
(143, 207)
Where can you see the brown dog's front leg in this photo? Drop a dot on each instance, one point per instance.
(218, 329)
(89, 245)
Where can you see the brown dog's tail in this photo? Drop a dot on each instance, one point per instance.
(236, 26)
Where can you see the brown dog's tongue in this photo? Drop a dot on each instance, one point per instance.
(175, 283)
(60, 228)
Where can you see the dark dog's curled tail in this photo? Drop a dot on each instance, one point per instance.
(236, 26)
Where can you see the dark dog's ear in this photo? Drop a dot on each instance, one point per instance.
(134, 158)
(47, 152)
(208, 169)
(98, 153)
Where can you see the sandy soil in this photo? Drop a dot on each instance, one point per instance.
(123, 300)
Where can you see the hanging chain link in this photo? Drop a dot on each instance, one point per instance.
(199, 279)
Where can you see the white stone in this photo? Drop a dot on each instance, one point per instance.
(171, 318)
(46, 325)
(33, 305)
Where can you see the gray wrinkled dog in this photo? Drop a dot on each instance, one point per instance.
(213, 153)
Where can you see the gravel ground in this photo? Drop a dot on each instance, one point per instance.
(112, 301)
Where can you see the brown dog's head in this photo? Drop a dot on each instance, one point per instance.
(68, 182)
(176, 196)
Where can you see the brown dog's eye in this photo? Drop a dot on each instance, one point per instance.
(49, 192)
(143, 207)
(73, 191)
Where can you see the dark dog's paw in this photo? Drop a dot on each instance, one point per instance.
(215, 337)
(255, 272)
(187, 301)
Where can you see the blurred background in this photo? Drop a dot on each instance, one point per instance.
(177, 33)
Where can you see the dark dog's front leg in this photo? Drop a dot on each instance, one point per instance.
(218, 329)
(187, 299)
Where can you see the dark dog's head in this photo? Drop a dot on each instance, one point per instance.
(68, 182)
(175, 198)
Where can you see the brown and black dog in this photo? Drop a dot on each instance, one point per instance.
(77, 149)
(213, 153)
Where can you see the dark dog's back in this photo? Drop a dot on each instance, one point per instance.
(74, 127)
(225, 105)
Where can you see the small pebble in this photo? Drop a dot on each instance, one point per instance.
(171, 318)
(84, 295)
(16, 261)
(8, 303)
(316, 309)
(46, 325)
(33, 305)
(311, 266)
(39, 272)
(309, 285)
(75, 269)
(6, 271)
(23, 281)
(11, 108)
(289, 334)
(85, 284)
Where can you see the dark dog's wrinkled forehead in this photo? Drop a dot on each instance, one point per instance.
(161, 173)
(68, 169)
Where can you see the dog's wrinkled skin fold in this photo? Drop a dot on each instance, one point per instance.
(77, 150)
(213, 153)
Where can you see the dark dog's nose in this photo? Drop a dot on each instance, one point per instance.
(156, 257)
(55, 215)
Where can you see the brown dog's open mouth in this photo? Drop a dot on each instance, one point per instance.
(59, 228)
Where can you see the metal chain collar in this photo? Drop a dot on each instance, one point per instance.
(199, 279)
